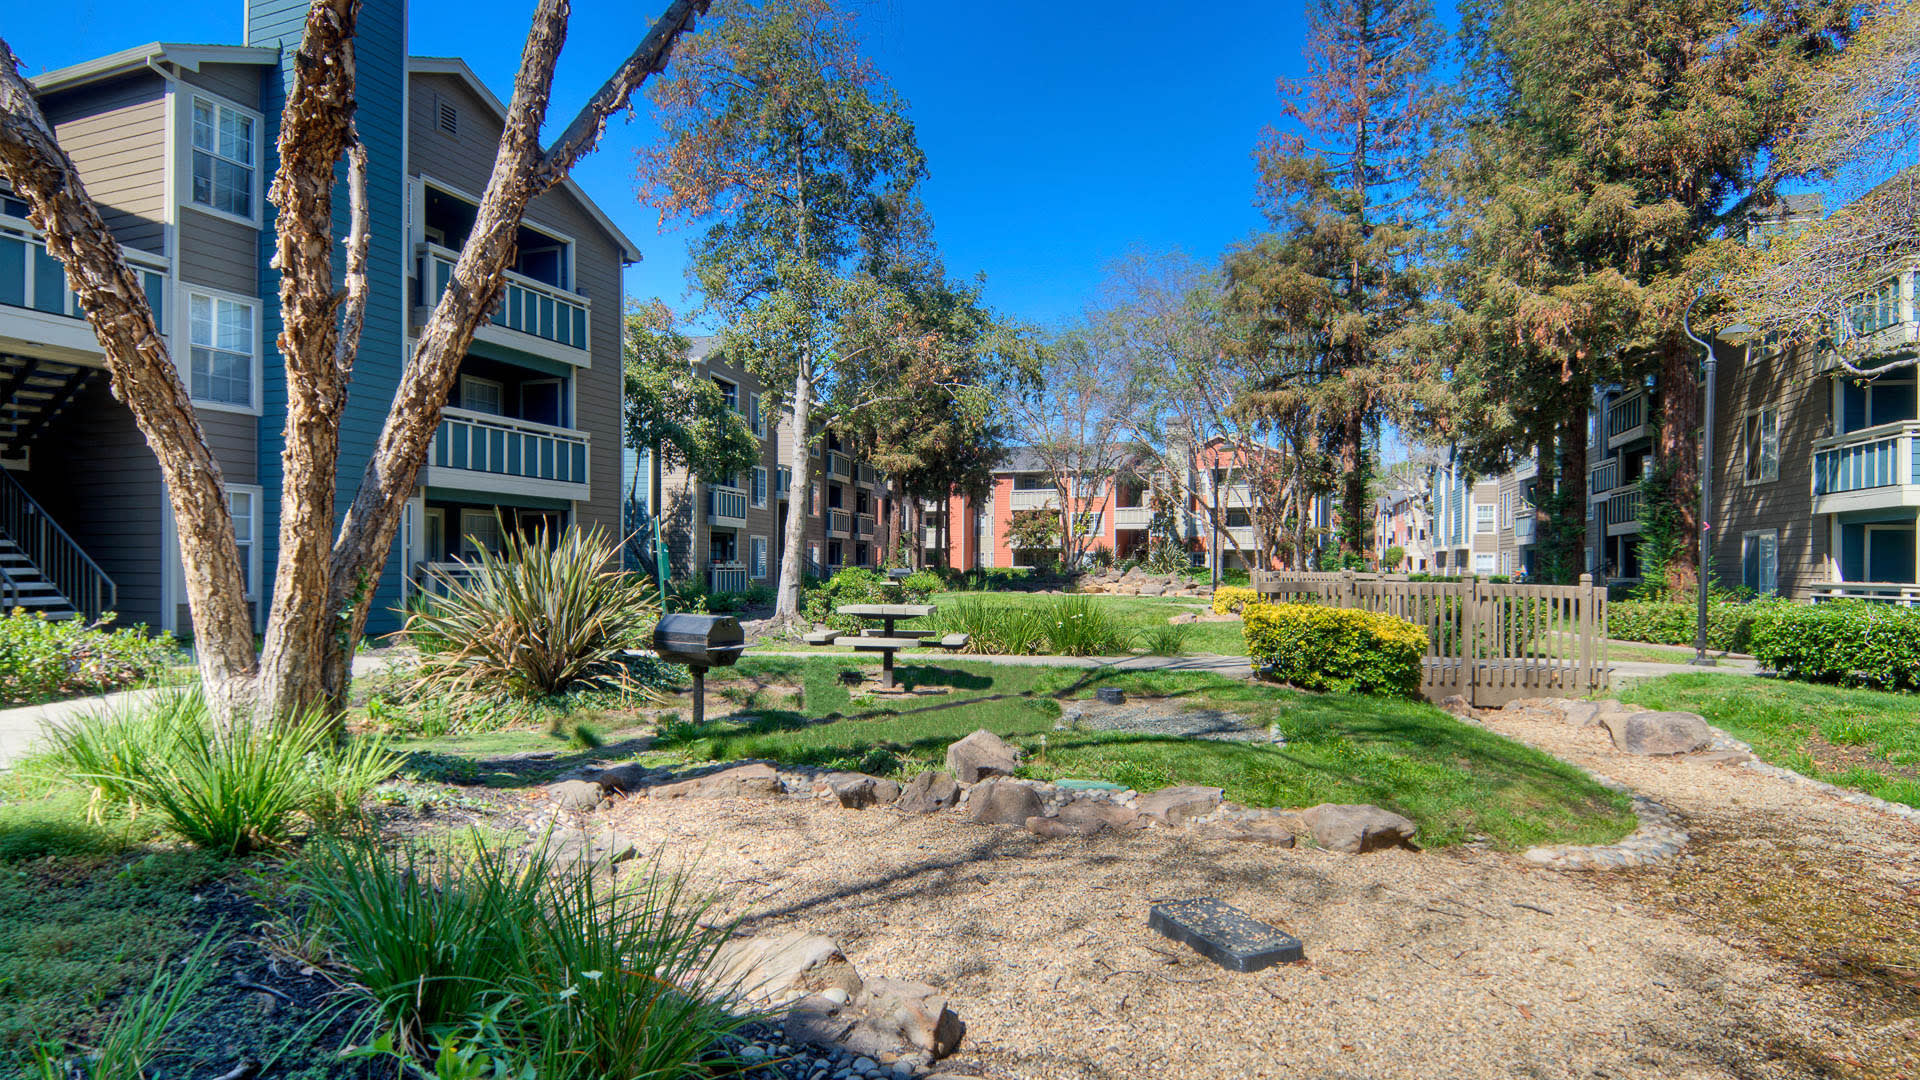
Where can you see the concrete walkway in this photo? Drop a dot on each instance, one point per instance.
(1230, 666)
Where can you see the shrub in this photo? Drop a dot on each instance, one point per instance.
(554, 968)
(1080, 626)
(1856, 643)
(991, 629)
(1348, 650)
(858, 585)
(1228, 599)
(923, 581)
(536, 619)
(1672, 622)
(1169, 639)
(40, 660)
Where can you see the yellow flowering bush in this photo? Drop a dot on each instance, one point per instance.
(1340, 649)
(1228, 599)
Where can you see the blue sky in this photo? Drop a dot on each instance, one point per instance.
(1058, 135)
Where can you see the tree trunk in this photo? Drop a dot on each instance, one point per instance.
(1679, 449)
(800, 498)
(1570, 491)
(1353, 497)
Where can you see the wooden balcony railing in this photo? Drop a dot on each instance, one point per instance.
(529, 306)
(502, 446)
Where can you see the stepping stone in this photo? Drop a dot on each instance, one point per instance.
(1225, 935)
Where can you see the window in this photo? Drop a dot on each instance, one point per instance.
(479, 531)
(859, 554)
(221, 350)
(1483, 562)
(222, 158)
(783, 482)
(833, 553)
(754, 418)
(1876, 309)
(1483, 517)
(729, 393)
(759, 486)
(1760, 561)
(481, 395)
(1762, 445)
(758, 568)
(244, 505)
(723, 549)
(813, 498)
(1086, 524)
(1506, 509)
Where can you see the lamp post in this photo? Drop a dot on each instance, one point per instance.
(1739, 333)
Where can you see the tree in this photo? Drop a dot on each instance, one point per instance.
(1035, 531)
(672, 411)
(782, 134)
(1340, 260)
(321, 593)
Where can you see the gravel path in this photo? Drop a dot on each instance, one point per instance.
(1444, 964)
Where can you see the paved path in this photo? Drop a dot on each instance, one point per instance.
(1231, 666)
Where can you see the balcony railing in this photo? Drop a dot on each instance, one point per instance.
(929, 536)
(838, 522)
(1626, 415)
(838, 465)
(727, 577)
(1234, 495)
(1604, 478)
(1132, 517)
(726, 506)
(32, 279)
(1876, 457)
(477, 442)
(1622, 510)
(1035, 499)
(1903, 593)
(1524, 526)
(863, 525)
(528, 306)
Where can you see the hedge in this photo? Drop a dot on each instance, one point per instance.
(1671, 622)
(1342, 649)
(1851, 642)
(1228, 599)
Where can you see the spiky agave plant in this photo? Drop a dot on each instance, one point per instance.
(542, 616)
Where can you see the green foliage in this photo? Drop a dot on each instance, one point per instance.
(992, 629)
(543, 616)
(1228, 599)
(923, 583)
(137, 1035)
(1034, 532)
(530, 955)
(1167, 640)
(859, 585)
(1673, 622)
(42, 660)
(234, 789)
(1663, 538)
(1851, 642)
(1062, 626)
(668, 405)
(1083, 626)
(1391, 558)
(984, 579)
(1340, 649)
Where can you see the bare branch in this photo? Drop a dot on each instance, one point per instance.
(649, 58)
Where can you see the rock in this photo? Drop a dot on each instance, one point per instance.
(857, 791)
(1656, 733)
(928, 793)
(767, 967)
(1589, 713)
(890, 1019)
(1085, 817)
(622, 779)
(1268, 832)
(916, 1011)
(980, 755)
(1182, 620)
(576, 794)
(1356, 828)
(1153, 590)
(743, 780)
(1458, 706)
(1179, 805)
(1003, 802)
(595, 850)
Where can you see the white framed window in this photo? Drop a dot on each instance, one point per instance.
(1483, 562)
(479, 531)
(1760, 561)
(223, 158)
(784, 481)
(758, 548)
(1761, 446)
(223, 350)
(1506, 509)
(243, 503)
(729, 392)
(759, 485)
(482, 395)
(1483, 517)
(755, 419)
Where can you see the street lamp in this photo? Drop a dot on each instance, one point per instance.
(1737, 334)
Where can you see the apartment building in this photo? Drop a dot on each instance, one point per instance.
(177, 143)
(731, 535)
(1401, 520)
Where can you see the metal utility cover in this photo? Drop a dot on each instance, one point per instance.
(1224, 934)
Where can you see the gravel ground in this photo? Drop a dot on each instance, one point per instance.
(1443, 964)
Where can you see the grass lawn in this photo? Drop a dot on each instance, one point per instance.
(1459, 782)
(1861, 739)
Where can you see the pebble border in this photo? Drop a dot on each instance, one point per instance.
(1658, 839)
(1725, 742)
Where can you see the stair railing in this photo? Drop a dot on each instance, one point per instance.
(48, 547)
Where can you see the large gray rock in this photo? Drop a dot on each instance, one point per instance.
(1179, 805)
(1003, 802)
(928, 793)
(622, 779)
(596, 850)
(767, 968)
(980, 755)
(576, 794)
(1656, 733)
(1356, 828)
(916, 1012)
(1085, 817)
(757, 780)
(1589, 713)
(857, 791)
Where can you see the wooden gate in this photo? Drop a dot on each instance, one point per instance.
(1487, 643)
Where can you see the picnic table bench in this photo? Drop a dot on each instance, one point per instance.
(887, 641)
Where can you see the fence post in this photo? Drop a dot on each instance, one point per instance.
(1349, 592)
(1470, 638)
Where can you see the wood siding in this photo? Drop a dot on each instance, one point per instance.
(218, 252)
(1784, 379)
(116, 133)
(238, 83)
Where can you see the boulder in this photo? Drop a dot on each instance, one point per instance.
(1355, 829)
(857, 791)
(757, 780)
(1085, 817)
(928, 793)
(1179, 805)
(982, 754)
(767, 968)
(622, 779)
(918, 1013)
(1589, 713)
(1264, 831)
(1155, 589)
(576, 794)
(1656, 733)
(1003, 802)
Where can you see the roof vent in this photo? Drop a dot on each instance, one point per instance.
(449, 119)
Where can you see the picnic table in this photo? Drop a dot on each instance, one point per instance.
(887, 642)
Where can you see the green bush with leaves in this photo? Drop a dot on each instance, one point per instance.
(1672, 622)
(984, 579)
(1850, 642)
(858, 585)
(543, 616)
(1341, 649)
(1168, 639)
(1081, 626)
(42, 660)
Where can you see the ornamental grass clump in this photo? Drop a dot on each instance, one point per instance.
(1340, 649)
(1080, 626)
(542, 616)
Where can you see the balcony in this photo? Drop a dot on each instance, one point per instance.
(727, 578)
(1035, 498)
(533, 317)
(1525, 526)
(478, 452)
(1621, 512)
(1903, 593)
(863, 526)
(1871, 469)
(1237, 537)
(726, 507)
(1627, 419)
(1234, 496)
(1602, 479)
(39, 314)
(839, 523)
(1132, 517)
(838, 465)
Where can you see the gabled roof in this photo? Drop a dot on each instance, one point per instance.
(457, 68)
(178, 54)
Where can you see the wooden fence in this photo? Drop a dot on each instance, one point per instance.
(1487, 643)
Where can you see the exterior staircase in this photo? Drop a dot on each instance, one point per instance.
(41, 567)
(22, 585)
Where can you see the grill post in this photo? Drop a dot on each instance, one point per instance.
(699, 695)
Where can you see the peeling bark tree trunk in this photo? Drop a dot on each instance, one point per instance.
(800, 498)
(1679, 448)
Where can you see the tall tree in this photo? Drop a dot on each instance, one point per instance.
(781, 133)
(1338, 186)
(321, 593)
